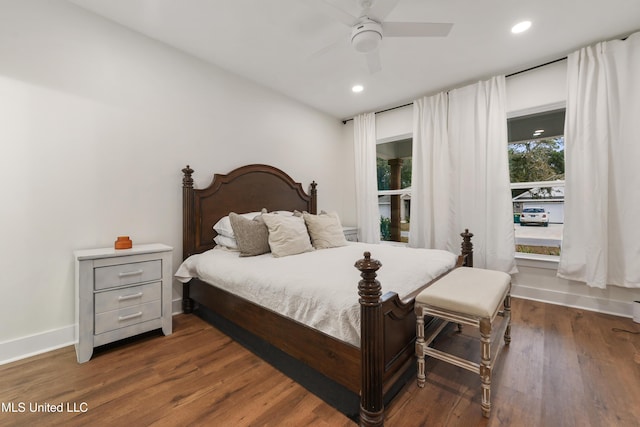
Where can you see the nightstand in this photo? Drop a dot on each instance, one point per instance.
(350, 233)
(121, 293)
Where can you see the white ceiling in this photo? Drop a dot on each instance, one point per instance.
(280, 43)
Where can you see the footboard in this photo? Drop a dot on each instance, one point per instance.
(399, 329)
(388, 334)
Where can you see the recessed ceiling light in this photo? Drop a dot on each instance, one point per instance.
(357, 88)
(521, 27)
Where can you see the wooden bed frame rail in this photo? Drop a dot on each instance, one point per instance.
(387, 322)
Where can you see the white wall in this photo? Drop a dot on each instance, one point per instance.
(537, 89)
(394, 124)
(96, 123)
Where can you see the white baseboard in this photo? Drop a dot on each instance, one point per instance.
(21, 348)
(585, 302)
(176, 306)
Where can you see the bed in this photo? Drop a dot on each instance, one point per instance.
(371, 370)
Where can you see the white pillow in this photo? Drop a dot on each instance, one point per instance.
(223, 226)
(287, 235)
(285, 213)
(227, 242)
(325, 230)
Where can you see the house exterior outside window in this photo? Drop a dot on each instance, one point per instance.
(536, 162)
(394, 189)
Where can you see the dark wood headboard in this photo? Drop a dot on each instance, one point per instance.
(246, 189)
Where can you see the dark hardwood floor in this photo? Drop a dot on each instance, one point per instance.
(564, 367)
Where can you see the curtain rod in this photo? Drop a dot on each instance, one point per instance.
(344, 122)
(536, 66)
(508, 75)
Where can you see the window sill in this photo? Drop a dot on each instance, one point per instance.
(393, 243)
(549, 262)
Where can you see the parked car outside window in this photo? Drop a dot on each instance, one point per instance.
(534, 215)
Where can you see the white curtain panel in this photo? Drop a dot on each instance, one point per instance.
(430, 189)
(601, 239)
(367, 211)
(479, 173)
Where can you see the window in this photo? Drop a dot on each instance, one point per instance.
(536, 163)
(394, 189)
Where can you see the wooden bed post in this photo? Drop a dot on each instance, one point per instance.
(371, 343)
(188, 231)
(467, 247)
(188, 213)
(314, 198)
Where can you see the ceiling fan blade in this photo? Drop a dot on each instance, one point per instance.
(416, 29)
(382, 8)
(334, 12)
(339, 43)
(373, 61)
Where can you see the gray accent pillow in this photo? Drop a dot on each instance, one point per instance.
(287, 235)
(325, 230)
(252, 235)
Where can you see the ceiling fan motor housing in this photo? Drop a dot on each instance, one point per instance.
(366, 36)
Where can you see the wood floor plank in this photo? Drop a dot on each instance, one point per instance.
(606, 356)
(563, 389)
(564, 366)
(526, 353)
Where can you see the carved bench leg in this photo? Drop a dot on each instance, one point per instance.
(507, 314)
(420, 349)
(485, 365)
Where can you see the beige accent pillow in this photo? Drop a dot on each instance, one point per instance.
(252, 235)
(287, 235)
(325, 230)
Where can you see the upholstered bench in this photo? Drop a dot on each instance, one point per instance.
(469, 296)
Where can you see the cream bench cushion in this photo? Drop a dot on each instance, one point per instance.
(472, 291)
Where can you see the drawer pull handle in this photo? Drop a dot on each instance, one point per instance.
(130, 316)
(128, 297)
(130, 273)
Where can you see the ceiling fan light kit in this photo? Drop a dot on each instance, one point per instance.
(366, 36)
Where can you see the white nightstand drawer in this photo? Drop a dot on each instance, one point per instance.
(128, 316)
(126, 297)
(127, 274)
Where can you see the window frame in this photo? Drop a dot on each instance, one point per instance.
(535, 184)
(399, 192)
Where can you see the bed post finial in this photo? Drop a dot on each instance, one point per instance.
(187, 181)
(467, 247)
(371, 344)
(314, 197)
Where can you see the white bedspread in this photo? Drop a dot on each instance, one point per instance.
(319, 288)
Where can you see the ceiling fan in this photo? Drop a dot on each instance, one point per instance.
(369, 28)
